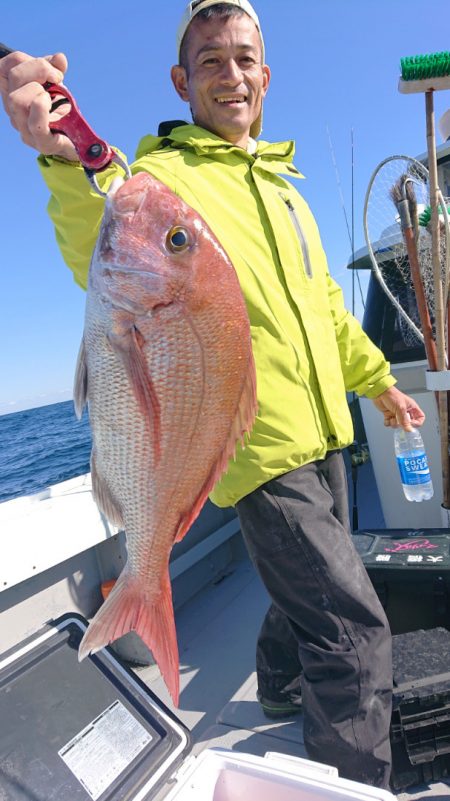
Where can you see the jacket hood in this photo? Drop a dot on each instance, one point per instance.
(275, 156)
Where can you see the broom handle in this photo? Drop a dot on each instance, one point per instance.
(438, 295)
(425, 322)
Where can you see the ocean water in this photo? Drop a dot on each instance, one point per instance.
(40, 447)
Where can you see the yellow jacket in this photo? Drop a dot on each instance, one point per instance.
(309, 350)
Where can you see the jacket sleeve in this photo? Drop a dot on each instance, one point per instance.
(75, 210)
(364, 367)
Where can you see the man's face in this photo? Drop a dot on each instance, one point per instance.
(225, 82)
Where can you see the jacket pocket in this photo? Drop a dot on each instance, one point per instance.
(299, 231)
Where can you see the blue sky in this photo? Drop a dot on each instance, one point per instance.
(335, 68)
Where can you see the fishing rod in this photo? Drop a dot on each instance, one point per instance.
(350, 231)
(359, 454)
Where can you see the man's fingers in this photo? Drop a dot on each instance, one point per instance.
(417, 416)
(48, 68)
(38, 123)
(8, 62)
(43, 139)
(59, 61)
(399, 409)
(404, 418)
(19, 102)
(22, 80)
(29, 111)
(33, 70)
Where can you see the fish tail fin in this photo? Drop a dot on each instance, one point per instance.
(126, 609)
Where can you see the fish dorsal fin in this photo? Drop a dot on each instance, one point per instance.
(129, 348)
(242, 423)
(103, 496)
(80, 389)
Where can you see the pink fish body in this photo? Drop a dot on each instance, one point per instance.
(167, 368)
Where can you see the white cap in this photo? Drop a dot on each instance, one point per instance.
(444, 126)
(193, 9)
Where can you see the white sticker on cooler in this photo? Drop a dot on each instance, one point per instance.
(99, 753)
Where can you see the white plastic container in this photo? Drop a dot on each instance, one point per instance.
(217, 775)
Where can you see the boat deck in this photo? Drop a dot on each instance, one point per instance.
(218, 684)
(217, 626)
(217, 632)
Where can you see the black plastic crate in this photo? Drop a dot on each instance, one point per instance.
(81, 731)
(410, 570)
(420, 726)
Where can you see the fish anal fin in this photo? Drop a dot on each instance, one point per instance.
(127, 609)
(129, 347)
(80, 388)
(103, 496)
(242, 423)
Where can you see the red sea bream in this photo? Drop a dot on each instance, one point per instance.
(166, 366)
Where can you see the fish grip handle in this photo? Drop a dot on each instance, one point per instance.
(94, 153)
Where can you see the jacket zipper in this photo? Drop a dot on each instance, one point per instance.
(300, 234)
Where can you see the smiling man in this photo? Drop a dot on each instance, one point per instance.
(326, 628)
(222, 72)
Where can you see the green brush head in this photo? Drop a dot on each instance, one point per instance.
(425, 216)
(416, 68)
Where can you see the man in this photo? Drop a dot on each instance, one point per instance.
(289, 484)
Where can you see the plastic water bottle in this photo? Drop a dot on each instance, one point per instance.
(413, 465)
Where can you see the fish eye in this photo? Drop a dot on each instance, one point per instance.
(178, 239)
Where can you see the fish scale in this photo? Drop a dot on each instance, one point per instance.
(166, 365)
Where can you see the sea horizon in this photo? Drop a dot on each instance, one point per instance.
(41, 446)
(35, 401)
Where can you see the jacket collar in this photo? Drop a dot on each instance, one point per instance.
(273, 157)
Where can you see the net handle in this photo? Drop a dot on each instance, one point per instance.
(373, 260)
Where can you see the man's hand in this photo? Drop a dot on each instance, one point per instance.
(399, 410)
(28, 104)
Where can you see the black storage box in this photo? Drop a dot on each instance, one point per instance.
(420, 726)
(410, 570)
(81, 731)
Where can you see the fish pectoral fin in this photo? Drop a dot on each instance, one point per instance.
(242, 423)
(244, 418)
(80, 388)
(103, 496)
(127, 609)
(129, 348)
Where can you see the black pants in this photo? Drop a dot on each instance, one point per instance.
(326, 619)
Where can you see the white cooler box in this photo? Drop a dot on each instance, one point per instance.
(93, 731)
(218, 775)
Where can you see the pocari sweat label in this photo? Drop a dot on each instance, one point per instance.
(414, 468)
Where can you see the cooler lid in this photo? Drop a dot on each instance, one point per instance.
(89, 730)
(428, 549)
